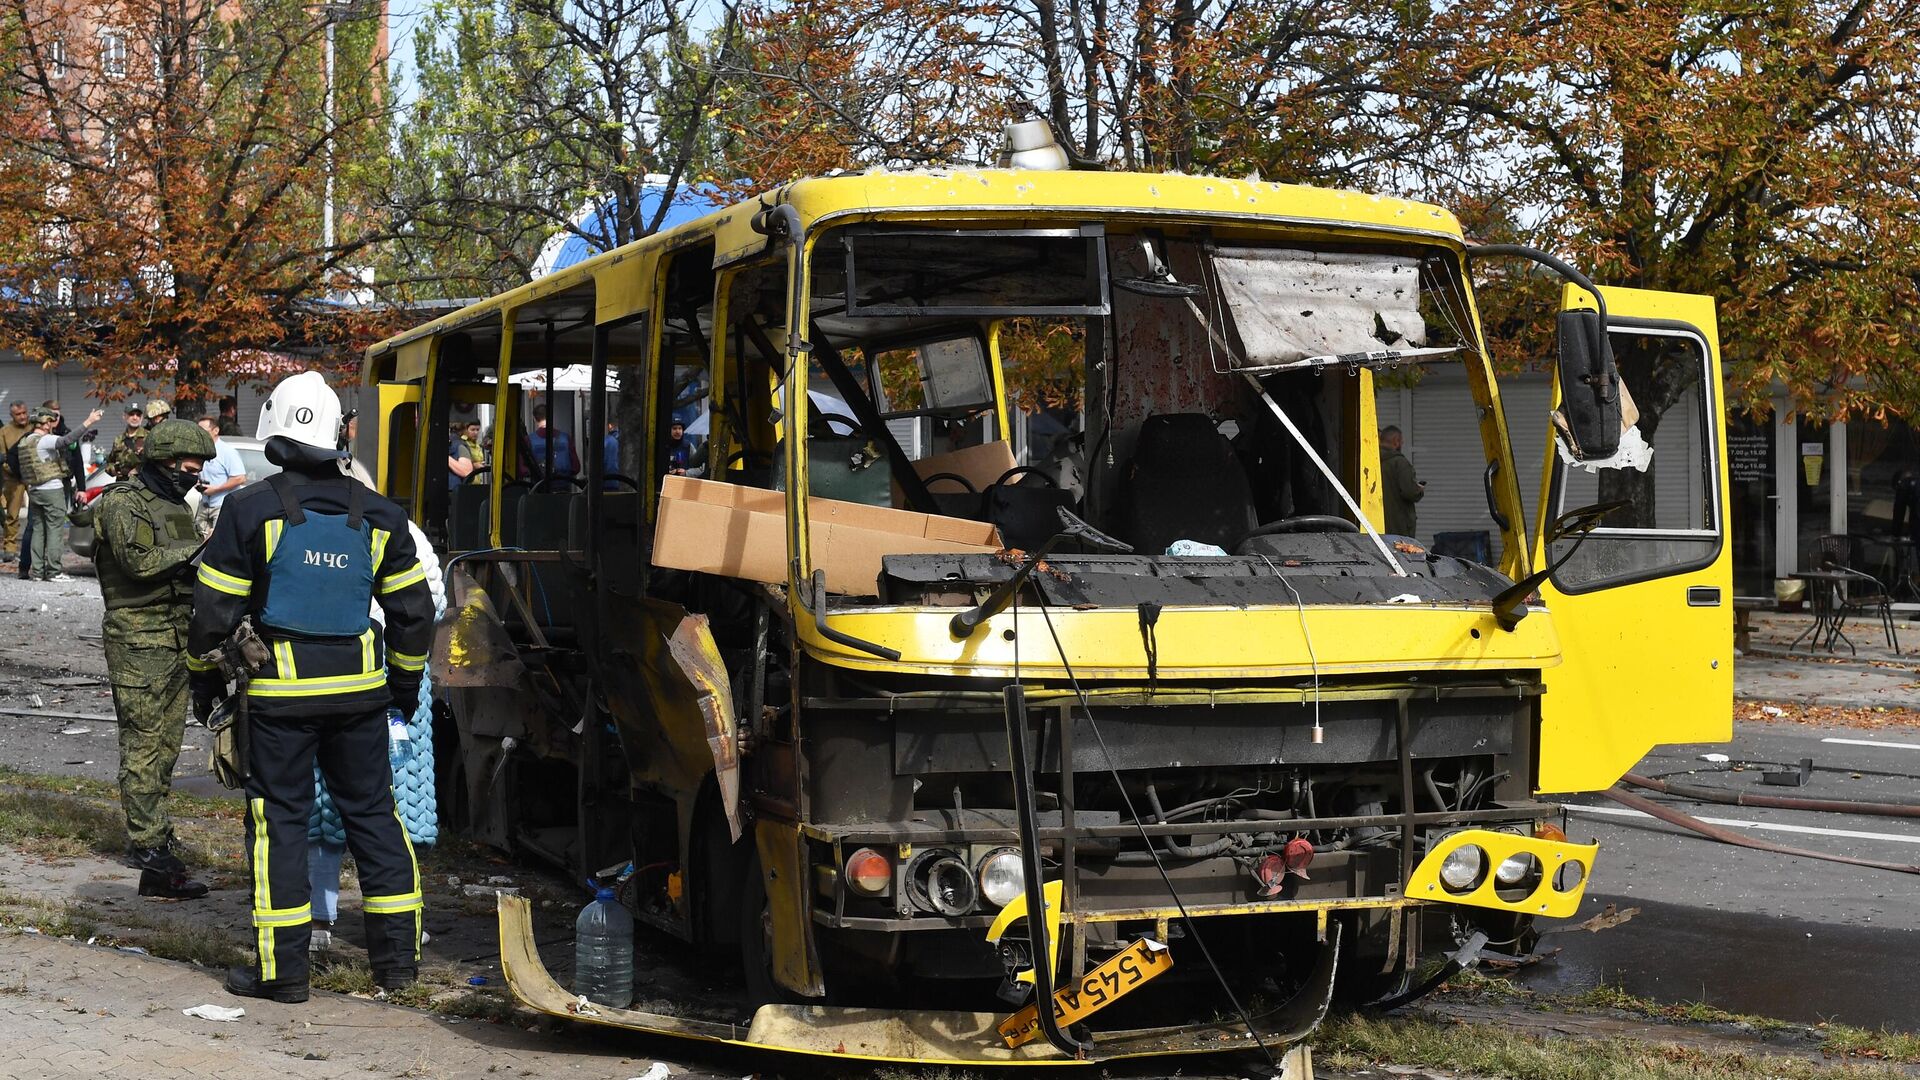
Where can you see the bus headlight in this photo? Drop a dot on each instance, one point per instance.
(1002, 876)
(1515, 868)
(1461, 870)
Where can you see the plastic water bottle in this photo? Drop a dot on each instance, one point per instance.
(398, 741)
(603, 951)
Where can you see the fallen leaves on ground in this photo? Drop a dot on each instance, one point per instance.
(1790, 712)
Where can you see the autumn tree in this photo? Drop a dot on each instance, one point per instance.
(543, 117)
(165, 178)
(1765, 155)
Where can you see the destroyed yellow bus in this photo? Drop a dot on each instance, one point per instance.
(786, 633)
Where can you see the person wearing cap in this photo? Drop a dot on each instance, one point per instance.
(123, 460)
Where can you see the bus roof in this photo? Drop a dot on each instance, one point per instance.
(987, 193)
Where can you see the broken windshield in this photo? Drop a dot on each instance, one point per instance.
(1218, 400)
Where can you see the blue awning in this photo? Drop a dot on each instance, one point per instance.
(593, 225)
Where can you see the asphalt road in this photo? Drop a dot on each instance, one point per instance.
(1751, 931)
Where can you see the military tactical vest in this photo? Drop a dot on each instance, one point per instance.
(319, 567)
(156, 521)
(35, 470)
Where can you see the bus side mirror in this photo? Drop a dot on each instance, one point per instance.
(1589, 416)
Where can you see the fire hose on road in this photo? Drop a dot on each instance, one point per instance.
(1727, 836)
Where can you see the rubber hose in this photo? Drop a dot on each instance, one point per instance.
(1725, 836)
(1707, 793)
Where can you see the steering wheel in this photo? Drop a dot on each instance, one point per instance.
(1024, 470)
(963, 481)
(1302, 523)
(827, 418)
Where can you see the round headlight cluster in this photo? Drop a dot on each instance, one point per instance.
(1516, 868)
(1002, 876)
(1463, 868)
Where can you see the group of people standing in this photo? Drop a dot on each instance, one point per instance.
(43, 469)
(318, 583)
(45, 473)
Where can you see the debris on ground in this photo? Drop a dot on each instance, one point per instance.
(224, 1013)
(656, 1071)
(1787, 712)
(1609, 917)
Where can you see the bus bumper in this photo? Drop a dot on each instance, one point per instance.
(923, 1037)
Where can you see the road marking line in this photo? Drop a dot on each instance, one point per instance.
(1871, 742)
(1851, 834)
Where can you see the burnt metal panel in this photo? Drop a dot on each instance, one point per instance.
(1150, 737)
(1322, 568)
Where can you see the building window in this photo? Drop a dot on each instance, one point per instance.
(57, 58)
(110, 148)
(113, 53)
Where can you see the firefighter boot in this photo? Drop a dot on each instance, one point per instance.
(243, 981)
(395, 978)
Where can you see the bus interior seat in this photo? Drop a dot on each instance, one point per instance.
(510, 497)
(832, 472)
(543, 520)
(1184, 483)
(467, 517)
(620, 553)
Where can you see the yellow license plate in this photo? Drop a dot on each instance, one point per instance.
(1097, 989)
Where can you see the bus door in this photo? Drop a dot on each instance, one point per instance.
(1644, 603)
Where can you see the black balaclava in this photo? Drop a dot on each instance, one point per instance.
(168, 480)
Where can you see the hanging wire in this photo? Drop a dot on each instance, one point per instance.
(1113, 770)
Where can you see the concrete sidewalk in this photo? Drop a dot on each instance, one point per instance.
(1874, 677)
(73, 1010)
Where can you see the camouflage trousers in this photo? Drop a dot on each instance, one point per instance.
(148, 670)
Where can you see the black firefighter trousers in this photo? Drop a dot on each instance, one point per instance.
(352, 753)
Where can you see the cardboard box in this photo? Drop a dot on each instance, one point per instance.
(981, 465)
(741, 532)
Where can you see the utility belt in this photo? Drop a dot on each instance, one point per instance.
(239, 658)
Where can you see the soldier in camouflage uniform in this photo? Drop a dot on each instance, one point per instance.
(144, 549)
(124, 461)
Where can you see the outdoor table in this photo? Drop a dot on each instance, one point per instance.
(1825, 593)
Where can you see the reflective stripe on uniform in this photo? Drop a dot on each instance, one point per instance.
(380, 538)
(366, 650)
(405, 661)
(224, 582)
(391, 905)
(414, 861)
(317, 686)
(194, 663)
(274, 528)
(283, 662)
(262, 888)
(293, 916)
(396, 582)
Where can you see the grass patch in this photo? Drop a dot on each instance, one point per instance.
(342, 977)
(59, 919)
(1608, 996)
(179, 803)
(1354, 1041)
(60, 826)
(1882, 1045)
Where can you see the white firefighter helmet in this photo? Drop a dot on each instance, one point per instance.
(305, 409)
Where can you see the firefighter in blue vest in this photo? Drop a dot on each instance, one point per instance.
(302, 556)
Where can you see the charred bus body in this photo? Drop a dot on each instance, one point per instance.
(844, 684)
